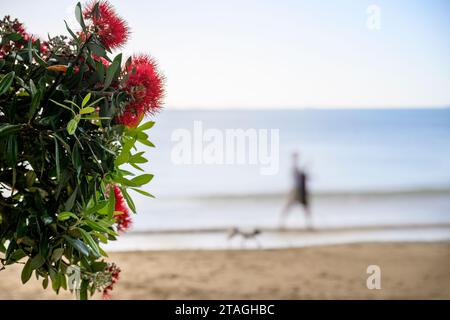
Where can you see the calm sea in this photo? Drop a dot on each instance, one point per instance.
(367, 168)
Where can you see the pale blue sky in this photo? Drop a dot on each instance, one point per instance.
(285, 53)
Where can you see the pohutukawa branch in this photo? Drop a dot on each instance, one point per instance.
(70, 117)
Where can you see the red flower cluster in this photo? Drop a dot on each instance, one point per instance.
(18, 27)
(44, 47)
(105, 62)
(115, 274)
(123, 219)
(14, 26)
(145, 85)
(111, 29)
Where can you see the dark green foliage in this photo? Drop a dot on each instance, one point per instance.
(60, 149)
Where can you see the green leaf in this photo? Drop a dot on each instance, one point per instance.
(128, 199)
(128, 63)
(111, 202)
(146, 126)
(70, 31)
(107, 226)
(125, 153)
(146, 142)
(63, 142)
(95, 102)
(73, 103)
(39, 59)
(55, 278)
(96, 13)
(30, 49)
(123, 181)
(17, 255)
(95, 226)
(97, 49)
(26, 271)
(37, 262)
(145, 193)
(86, 100)
(6, 82)
(134, 165)
(78, 245)
(100, 70)
(71, 201)
(122, 158)
(46, 219)
(141, 135)
(33, 89)
(96, 208)
(103, 252)
(35, 101)
(138, 158)
(58, 166)
(142, 179)
(79, 15)
(125, 173)
(57, 254)
(72, 126)
(63, 281)
(56, 282)
(45, 283)
(87, 110)
(90, 241)
(112, 70)
(63, 106)
(30, 178)
(66, 215)
(76, 159)
(11, 150)
(101, 237)
(6, 128)
(95, 117)
(84, 289)
(15, 36)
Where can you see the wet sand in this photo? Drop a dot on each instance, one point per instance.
(408, 271)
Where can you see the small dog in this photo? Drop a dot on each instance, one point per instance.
(245, 235)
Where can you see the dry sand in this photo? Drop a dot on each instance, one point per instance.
(409, 271)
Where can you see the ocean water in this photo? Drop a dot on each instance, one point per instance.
(367, 168)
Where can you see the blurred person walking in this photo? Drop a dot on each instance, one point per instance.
(299, 194)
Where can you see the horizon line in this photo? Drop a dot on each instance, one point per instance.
(291, 108)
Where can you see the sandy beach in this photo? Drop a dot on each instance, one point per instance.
(409, 271)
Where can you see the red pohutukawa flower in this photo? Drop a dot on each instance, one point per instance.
(111, 29)
(123, 219)
(115, 273)
(17, 27)
(145, 85)
(102, 60)
(44, 47)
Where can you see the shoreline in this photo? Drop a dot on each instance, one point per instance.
(289, 238)
(246, 250)
(409, 271)
(294, 229)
